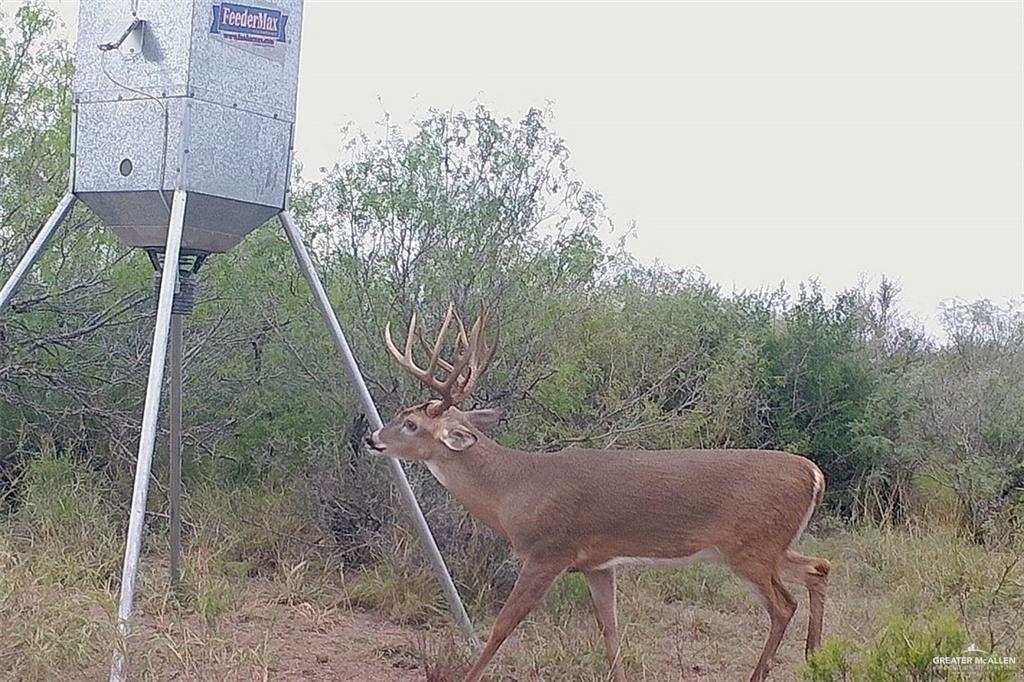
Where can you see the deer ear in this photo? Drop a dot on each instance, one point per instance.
(485, 420)
(457, 439)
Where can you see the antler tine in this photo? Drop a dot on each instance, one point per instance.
(477, 333)
(463, 339)
(405, 360)
(473, 355)
(456, 367)
(479, 355)
(472, 350)
(464, 355)
(494, 345)
(392, 348)
(409, 335)
(441, 362)
(435, 354)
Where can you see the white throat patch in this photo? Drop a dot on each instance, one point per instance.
(436, 470)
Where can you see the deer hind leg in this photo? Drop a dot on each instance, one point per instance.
(780, 605)
(602, 595)
(812, 573)
(534, 579)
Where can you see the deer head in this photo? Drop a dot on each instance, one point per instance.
(437, 428)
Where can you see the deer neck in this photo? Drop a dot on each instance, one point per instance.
(482, 477)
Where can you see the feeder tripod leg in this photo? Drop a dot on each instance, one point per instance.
(174, 448)
(35, 249)
(147, 438)
(412, 507)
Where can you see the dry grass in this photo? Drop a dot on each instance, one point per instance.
(250, 572)
(699, 623)
(260, 601)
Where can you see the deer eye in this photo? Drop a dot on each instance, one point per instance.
(409, 425)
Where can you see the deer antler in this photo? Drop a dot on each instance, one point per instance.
(463, 373)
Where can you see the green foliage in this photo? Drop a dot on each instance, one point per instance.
(250, 530)
(35, 116)
(404, 597)
(569, 595)
(68, 509)
(58, 553)
(917, 575)
(831, 663)
(967, 434)
(905, 649)
(703, 584)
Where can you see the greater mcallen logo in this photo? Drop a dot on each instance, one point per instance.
(247, 24)
(974, 661)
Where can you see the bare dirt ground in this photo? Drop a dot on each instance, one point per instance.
(301, 645)
(302, 642)
(269, 640)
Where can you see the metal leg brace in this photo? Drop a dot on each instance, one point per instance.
(35, 249)
(147, 439)
(174, 446)
(412, 507)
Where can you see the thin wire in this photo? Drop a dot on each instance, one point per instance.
(163, 151)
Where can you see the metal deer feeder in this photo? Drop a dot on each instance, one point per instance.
(181, 143)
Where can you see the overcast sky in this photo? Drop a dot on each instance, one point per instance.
(762, 142)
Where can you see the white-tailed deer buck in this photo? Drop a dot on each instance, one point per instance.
(593, 510)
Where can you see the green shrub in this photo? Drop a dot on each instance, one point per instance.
(58, 553)
(904, 649)
(67, 508)
(831, 663)
(403, 597)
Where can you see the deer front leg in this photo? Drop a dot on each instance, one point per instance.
(602, 595)
(534, 579)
